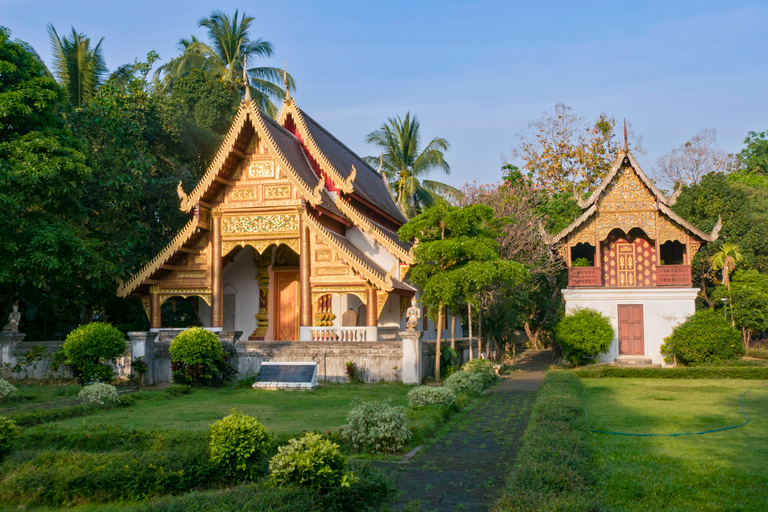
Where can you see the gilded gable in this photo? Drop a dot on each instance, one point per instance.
(626, 192)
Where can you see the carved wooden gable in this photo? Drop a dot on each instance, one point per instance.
(626, 203)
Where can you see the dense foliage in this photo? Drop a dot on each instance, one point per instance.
(583, 335)
(376, 427)
(88, 350)
(9, 433)
(311, 461)
(98, 394)
(238, 445)
(421, 396)
(6, 389)
(704, 337)
(196, 357)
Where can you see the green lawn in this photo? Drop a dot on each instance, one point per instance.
(721, 471)
(281, 412)
(31, 395)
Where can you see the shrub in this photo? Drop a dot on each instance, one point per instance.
(679, 372)
(483, 367)
(98, 394)
(466, 382)
(177, 390)
(238, 445)
(430, 395)
(6, 389)
(583, 335)
(703, 337)
(9, 432)
(197, 357)
(89, 348)
(376, 426)
(311, 461)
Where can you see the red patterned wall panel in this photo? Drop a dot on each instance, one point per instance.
(628, 261)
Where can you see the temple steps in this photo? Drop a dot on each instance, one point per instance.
(635, 362)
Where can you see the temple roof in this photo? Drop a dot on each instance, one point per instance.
(663, 202)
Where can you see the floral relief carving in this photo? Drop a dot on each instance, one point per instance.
(626, 221)
(626, 192)
(669, 231)
(278, 192)
(261, 169)
(241, 194)
(260, 224)
(584, 233)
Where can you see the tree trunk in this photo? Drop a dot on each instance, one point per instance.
(469, 319)
(453, 332)
(439, 332)
(746, 335)
(533, 337)
(479, 332)
(704, 293)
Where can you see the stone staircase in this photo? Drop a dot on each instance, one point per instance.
(634, 362)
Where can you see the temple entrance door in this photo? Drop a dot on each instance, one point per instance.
(631, 339)
(287, 305)
(625, 254)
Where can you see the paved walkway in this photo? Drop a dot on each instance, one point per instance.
(466, 469)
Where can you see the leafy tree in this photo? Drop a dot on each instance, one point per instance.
(562, 153)
(79, 68)
(457, 258)
(754, 157)
(224, 56)
(404, 164)
(747, 297)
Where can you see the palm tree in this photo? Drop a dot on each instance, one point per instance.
(726, 259)
(224, 56)
(77, 66)
(404, 165)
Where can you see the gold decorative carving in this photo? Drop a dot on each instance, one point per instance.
(358, 291)
(563, 252)
(243, 194)
(584, 233)
(203, 293)
(626, 192)
(261, 169)
(694, 248)
(669, 231)
(606, 222)
(323, 256)
(259, 245)
(278, 192)
(200, 260)
(405, 303)
(260, 224)
(145, 304)
(381, 300)
(332, 271)
(190, 275)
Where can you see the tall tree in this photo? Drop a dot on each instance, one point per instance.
(229, 46)
(747, 297)
(563, 153)
(79, 68)
(754, 157)
(691, 161)
(725, 259)
(405, 165)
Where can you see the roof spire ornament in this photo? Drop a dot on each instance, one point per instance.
(285, 81)
(247, 98)
(626, 144)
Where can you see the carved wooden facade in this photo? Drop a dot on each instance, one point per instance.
(625, 231)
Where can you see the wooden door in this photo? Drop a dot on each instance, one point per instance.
(625, 253)
(287, 306)
(631, 339)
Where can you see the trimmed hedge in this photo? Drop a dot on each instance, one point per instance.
(555, 468)
(689, 372)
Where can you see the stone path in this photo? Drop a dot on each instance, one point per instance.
(466, 469)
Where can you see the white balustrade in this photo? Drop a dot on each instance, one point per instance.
(340, 333)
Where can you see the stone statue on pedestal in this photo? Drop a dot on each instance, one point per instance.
(412, 314)
(13, 320)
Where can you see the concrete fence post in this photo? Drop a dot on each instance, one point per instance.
(143, 345)
(411, 356)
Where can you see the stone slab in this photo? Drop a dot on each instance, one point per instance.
(302, 375)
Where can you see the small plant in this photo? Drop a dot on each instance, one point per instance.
(430, 395)
(178, 390)
(247, 380)
(311, 461)
(30, 359)
(6, 389)
(583, 335)
(483, 367)
(139, 369)
(581, 262)
(466, 382)
(353, 372)
(9, 432)
(238, 445)
(703, 338)
(197, 357)
(376, 426)
(98, 394)
(88, 350)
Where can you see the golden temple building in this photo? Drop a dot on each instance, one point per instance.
(291, 236)
(629, 257)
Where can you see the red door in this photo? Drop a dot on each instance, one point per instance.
(631, 341)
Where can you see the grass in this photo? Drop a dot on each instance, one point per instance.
(721, 471)
(32, 395)
(281, 412)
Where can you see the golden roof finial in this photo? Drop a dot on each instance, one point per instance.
(626, 144)
(247, 98)
(285, 81)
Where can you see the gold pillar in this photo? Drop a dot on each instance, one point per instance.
(305, 292)
(371, 309)
(217, 283)
(262, 317)
(154, 307)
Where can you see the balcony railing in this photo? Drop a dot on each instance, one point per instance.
(673, 275)
(341, 333)
(584, 277)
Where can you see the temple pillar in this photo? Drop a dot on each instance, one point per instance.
(217, 269)
(262, 317)
(305, 292)
(371, 309)
(154, 307)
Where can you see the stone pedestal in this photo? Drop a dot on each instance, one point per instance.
(143, 345)
(8, 340)
(411, 369)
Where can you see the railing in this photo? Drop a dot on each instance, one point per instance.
(340, 333)
(582, 277)
(673, 275)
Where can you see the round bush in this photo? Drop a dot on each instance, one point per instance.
(238, 445)
(376, 426)
(583, 335)
(311, 461)
(704, 337)
(430, 395)
(196, 356)
(9, 432)
(6, 389)
(98, 394)
(90, 347)
(466, 382)
(482, 366)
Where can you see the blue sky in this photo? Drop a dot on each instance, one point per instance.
(475, 73)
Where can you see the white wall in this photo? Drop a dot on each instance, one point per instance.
(373, 250)
(663, 310)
